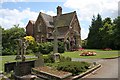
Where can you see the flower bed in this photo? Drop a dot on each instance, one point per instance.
(81, 49)
(88, 53)
(107, 49)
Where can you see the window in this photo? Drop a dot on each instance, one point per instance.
(39, 30)
(51, 23)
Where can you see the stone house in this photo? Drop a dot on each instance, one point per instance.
(67, 24)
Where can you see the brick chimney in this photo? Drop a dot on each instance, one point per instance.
(59, 10)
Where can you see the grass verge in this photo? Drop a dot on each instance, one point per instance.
(100, 54)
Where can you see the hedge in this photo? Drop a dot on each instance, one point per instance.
(73, 67)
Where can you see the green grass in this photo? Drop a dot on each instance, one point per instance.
(75, 54)
(100, 54)
(11, 58)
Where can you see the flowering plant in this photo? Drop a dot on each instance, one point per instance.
(81, 49)
(30, 39)
(88, 53)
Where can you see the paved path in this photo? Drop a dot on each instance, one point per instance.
(109, 68)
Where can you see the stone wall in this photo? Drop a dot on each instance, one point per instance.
(20, 68)
(29, 29)
(40, 32)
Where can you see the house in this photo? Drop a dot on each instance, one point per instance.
(67, 24)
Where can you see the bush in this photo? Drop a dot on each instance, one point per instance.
(73, 67)
(49, 58)
(65, 59)
(29, 51)
(8, 51)
(61, 47)
(45, 48)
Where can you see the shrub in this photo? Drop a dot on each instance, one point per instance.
(65, 59)
(29, 51)
(68, 59)
(49, 58)
(45, 48)
(61, 47)
(8, 51)
(73, 67)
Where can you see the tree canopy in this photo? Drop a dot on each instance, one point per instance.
(104, 33)
(9, 37)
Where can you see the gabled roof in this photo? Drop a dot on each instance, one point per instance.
(64, 19)
(30, 21)
(48, 19)
(33, 22)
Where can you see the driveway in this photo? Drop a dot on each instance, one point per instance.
(109, 69)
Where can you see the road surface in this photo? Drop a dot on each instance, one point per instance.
(108, 71)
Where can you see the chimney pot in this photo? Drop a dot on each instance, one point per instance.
(59, 10)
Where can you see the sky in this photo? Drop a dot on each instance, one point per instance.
(21, 11)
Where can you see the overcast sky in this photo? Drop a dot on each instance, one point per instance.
(21, 11)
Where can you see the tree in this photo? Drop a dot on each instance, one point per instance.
(104, 33)
(94, 36)
(107, 33)
(117, 32)
(1, 40)
(9, 37)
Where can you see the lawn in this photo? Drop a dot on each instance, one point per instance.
(4, 59)
(100, 54)
(75, 54)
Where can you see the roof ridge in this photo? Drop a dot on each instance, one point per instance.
(67, 13)
(32, 21)
(56, 15)
(46, 14)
